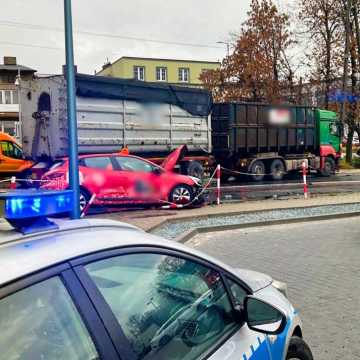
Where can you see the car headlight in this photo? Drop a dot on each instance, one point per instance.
(196, 180)
(281, 286)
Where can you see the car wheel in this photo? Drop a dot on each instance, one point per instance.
(329, 167)
(257, 168)
(277, 170)
(298, 350)
(181, 194)
(83, 198)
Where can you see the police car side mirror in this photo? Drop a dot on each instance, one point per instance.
(263, 317)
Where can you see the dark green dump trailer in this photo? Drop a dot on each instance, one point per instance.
(261, 139)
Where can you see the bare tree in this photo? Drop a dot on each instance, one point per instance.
(323, 29)
(259, 68)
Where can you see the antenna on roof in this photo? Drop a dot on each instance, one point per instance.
(106, 64)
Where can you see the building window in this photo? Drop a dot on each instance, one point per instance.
(161, 74)
(7, 97)
(15, 99)
(184, 75)
(7, 79)
(139, 73)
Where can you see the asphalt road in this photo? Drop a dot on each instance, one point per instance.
(287, 188)
(320, 263)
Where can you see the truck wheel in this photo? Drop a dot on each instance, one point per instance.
(181, 194)
(195, 169)
(257, 168)
(277, 169)
(329, 167)
(298, 350)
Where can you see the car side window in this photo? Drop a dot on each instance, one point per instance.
(168, 307)
(98, 162)
(18, 154)
(10, 150)
(238, 292)
(41, 322)
(128, 163)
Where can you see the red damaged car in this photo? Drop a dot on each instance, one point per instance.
(121, 179)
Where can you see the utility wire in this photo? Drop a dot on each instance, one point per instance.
(30, 45)
(107, 35)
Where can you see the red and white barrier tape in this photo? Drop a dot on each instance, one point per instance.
(87, 206)
(12, 183)
(218, 191)
(304, 170)
(247, 173)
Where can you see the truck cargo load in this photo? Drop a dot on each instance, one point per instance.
(149, 119)
(248, 128)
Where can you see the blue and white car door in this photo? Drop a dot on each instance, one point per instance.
(245, 344)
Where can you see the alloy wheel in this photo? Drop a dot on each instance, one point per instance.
(82, 202)
(181, 195)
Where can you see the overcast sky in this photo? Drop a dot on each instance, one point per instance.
(188, 21)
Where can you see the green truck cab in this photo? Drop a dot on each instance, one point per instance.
(330, 129)
(329, 134)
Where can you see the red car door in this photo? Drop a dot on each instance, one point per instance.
(143, 183)
(100, 178)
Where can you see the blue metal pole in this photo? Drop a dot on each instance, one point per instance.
(71, 112)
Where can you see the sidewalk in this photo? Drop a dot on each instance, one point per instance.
(148, 219)
(349, 172)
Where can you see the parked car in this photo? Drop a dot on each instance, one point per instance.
(12, 159)
(125, 180)
(100, 289)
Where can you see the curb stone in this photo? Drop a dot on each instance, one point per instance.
(190, 233)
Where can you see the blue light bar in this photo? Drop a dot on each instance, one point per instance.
(27, 210)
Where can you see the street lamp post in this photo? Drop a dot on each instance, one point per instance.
(227, 46)
(71, 112)
(18, 127)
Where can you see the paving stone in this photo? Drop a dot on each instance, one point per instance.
(320, 263)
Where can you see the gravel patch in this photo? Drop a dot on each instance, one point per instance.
(173, 229)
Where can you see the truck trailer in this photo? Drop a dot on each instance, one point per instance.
(150, 120)
(270, 141)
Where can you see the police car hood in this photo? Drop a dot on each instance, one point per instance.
(255, 280)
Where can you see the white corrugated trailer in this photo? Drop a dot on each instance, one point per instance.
(111, 114)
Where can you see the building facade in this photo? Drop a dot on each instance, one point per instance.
(177, 72)
(9, 93)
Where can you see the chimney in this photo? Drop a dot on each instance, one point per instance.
(9, 60)
(105, 66)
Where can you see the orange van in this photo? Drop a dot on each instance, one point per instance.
(12, 159)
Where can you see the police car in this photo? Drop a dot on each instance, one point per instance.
(101, 289)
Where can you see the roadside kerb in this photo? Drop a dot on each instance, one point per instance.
(190, 233)
(234, 213)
